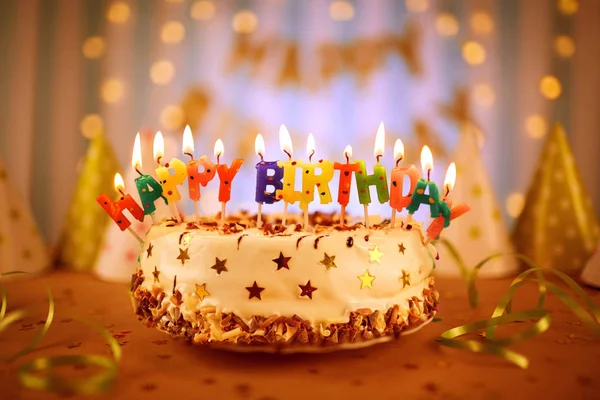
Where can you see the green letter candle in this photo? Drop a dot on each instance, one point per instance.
(377, 179)
(148, 188)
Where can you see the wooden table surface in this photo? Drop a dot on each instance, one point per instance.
(564, 362)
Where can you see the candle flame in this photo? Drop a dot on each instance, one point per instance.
(310, 145)
(188, 141)
(259, 145)
(119, 184)
(379, 142)
(159, 146)
(136, 156)
(426, 161)
(450, 177)
(398, 150)
(219, 148)
(348, 151)
(285, 141)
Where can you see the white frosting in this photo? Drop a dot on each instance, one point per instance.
(338, 289)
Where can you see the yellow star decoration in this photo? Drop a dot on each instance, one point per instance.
(474, 232)
(328, 262)
(201, 291)
(183, 255)
(405, 279)
(366, 280)
(375, 255)
(477, 191)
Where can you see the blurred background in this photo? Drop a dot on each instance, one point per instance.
(431, 70)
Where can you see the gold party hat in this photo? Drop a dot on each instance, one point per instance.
(558, 227)
(86, 222)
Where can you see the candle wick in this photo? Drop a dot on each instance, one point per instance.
(378, 157)
(138, 171)
(288, 154)
(219, 158)
(428, 174)
(158, 160)
(311, 155)
(398, 160)
(122, 194)
(190, 154)
(347, 158)
(261, 157)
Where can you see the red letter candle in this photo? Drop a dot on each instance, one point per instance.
(345, 182)
(115, 208)
(195, 178)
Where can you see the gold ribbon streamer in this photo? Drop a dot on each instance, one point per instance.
(502, 314)
(40, 373)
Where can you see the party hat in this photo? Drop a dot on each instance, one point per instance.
(21, 246)
(118, 257)
(86, 222)
(481, 232)
(591, 272)
(558, 227)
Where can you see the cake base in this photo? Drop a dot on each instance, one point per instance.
(279, 334)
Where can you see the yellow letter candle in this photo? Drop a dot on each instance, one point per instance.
(169, 181)
(288, 194)
(377, 179)
(312, 183)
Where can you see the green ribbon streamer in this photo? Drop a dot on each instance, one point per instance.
(503, 314)
(40, 373)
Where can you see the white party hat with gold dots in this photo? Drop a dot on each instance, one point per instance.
(21, 245)
(481, 232)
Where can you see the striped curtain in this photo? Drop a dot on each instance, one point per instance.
(129, 65)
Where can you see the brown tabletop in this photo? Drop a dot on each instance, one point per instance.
(564, 362)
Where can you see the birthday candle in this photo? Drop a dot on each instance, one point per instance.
(125, 202)
(195, 177)
(288, 193)
(378, 178)
(345, 182)
(226, 175)
(263, 179)
(167, 179)
(397, 200)
(310, 180)
(148, 188)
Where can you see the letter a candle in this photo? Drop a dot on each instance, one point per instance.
(226, 175)
(148, 188)
(377, 179)
(168, 181)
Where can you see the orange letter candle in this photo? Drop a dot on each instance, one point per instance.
(115, 208)
(195, 178)
(226, 175)
(397, 200)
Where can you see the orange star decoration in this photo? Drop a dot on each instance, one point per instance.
(366, 280)
(255, 291)
(282, 261)
(307, 290)
(156, 273)
(219, 265)
(201, 291)
(405, 279)
(149, 250)
(195, 106)
(183, 255)
(328, 262)
(401, 248)
(290, 73)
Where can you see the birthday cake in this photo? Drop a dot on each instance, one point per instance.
(285, 290)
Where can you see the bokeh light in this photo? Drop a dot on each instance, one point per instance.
(568, 7)
(93, 47)
(536, 126)
(341, 11)
(482, 23)
(91, 125)
(417, 5)
(162, 72)
(484, 94)
(202, 10)
(446, 24)
(172, 32)
(564, 46)
(112, 90)
(550, 87)
(171, 117)
(473, 53)
(118, 12)
(244, 22)
(515, 202)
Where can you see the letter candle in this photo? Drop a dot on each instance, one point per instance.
(397, 200)
(345, 183)
(226, 175)
(377, 179)
(148, 188)
(432, 198)
(168, 181)
(264, 180)
(115, 208)
(310, 181)
(195, 178)
(288, 194)
(436, 226)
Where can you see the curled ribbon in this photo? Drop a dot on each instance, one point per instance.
(40, 373)
(503, 314)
